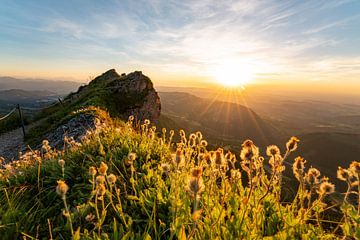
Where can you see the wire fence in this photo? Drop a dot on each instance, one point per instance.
(20, 109)
(8, 115)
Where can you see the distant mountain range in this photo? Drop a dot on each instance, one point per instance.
(228, 124)
(223, 122)
(58, 87)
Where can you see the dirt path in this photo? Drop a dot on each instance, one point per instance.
(11, 143)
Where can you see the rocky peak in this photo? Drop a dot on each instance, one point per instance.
(124, 95)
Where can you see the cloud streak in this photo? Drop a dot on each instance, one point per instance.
(286, 39)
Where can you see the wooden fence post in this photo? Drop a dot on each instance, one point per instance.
(61, 102)
(21, 119)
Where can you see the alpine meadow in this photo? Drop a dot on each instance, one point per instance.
(152, 119)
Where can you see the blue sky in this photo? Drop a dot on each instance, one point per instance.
(181, 40)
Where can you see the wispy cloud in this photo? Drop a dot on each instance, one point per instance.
(285, 39)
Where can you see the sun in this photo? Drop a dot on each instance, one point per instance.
(232, 74)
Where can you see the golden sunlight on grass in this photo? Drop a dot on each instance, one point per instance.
(232, 74)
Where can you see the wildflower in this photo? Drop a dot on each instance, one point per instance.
(326, 188)
(146, 121)
(219, 158)
(298, 167)
(272, 150)
(203, 143)
(111, 179)
(235, 174)
(196, 215)
(196, 186)
(182, 133)
(100, 180)
(276, 163)
(192, 142)
(197, 172)
(165, 168)
(249, 151)
(199, 135)
(355, 184)
(291, 145)
(130, 159)
(90, 217)
(344, 174)
(312, 176)
(61, 162)
(62, 188)
(179, 157)
(45, 142)
(101, 190)
(92, 171)
(355, 168)
(103, 168)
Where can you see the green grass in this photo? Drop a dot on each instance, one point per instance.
(166, 190)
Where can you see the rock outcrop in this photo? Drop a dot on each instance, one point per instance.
(124, 95)
(120, 95)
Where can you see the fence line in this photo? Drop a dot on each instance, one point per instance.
(7, 115)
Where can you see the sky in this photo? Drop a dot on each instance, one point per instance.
(182, 42)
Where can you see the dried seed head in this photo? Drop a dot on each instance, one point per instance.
(62, 188)
(272, 150)
(291, 145)
(111, 178)
(90, 217)
(203, 143)
(61, 162)
(312, 176)
(344, 174)
(92, 171)
(179, 157)
(132, 156)
(101, 190)
(103, 168)
(326, 188)
(219, 158)
(298, 167)
(196, 186)
(165, 168)
(99, 180)
(196, 172)
(355, 168)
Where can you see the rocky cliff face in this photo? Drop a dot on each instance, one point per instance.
(124, 95)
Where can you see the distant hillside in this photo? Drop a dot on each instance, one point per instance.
(20, 95)
(59, 87)
(327, 151)
(221, 122)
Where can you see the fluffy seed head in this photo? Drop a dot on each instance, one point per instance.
(272, 150)
(344, 174)
(111, 178)
(298, 167)
(326, 188)
(355, 168)
(196, 172)
(62, 188)
(61, 162)
(103, 168)
(99, 180)
(291, 145)
(101, 190)
(196, 186)
(92, 171)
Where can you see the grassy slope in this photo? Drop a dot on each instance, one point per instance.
(151, 202)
